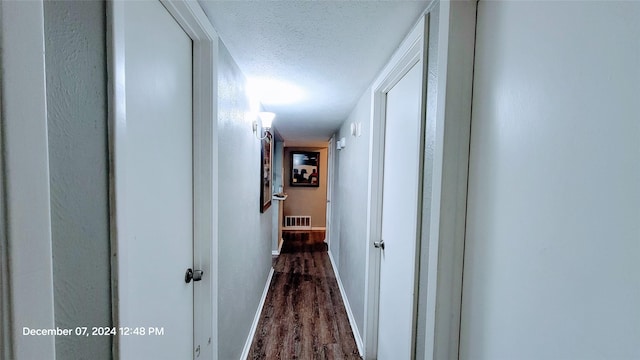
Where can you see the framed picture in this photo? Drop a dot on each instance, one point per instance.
(305, 168)
(266, 161)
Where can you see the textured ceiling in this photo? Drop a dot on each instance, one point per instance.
(330, 50)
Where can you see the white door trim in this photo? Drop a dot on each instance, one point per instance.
(5, 308)
(331, 151)
(26, 181)
(446, 164)
(194, 22)
(411, 51)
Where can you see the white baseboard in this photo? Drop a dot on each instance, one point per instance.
(277, 252)
(352, 320)
(256, 318)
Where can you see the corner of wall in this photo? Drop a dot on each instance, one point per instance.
(349, 217)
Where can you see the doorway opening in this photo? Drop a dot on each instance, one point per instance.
(305, 182)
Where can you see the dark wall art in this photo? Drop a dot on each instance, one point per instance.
(266, 161)
(305, 168)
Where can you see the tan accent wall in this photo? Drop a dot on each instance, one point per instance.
(308, 201)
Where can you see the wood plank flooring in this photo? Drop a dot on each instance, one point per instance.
(303, 316)
(303, 241)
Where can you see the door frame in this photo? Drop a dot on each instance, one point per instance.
(447, 112)
(330, 167)
(25, 195)
(410, 52)
(445, 184)
(197, 26)
(440, 252)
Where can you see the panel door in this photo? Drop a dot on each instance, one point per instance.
(402, 156)
(154, 296)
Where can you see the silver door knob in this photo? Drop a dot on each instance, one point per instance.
(379, 244)
(197, 275)
(193, 275)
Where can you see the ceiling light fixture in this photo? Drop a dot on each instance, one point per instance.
(266, 122)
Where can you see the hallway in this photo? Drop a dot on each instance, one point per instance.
(303, 316)
(471, 167)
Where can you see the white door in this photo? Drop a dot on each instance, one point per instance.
(552, 249)
(155, 187)
(402, 154)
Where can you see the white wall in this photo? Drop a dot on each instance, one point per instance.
(78, 163)
(244, 234)
(552, 266)
(348, 242)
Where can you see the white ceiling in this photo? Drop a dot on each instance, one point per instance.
(330, 50)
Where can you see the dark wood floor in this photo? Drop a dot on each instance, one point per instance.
(303, 316)
(303, 241)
